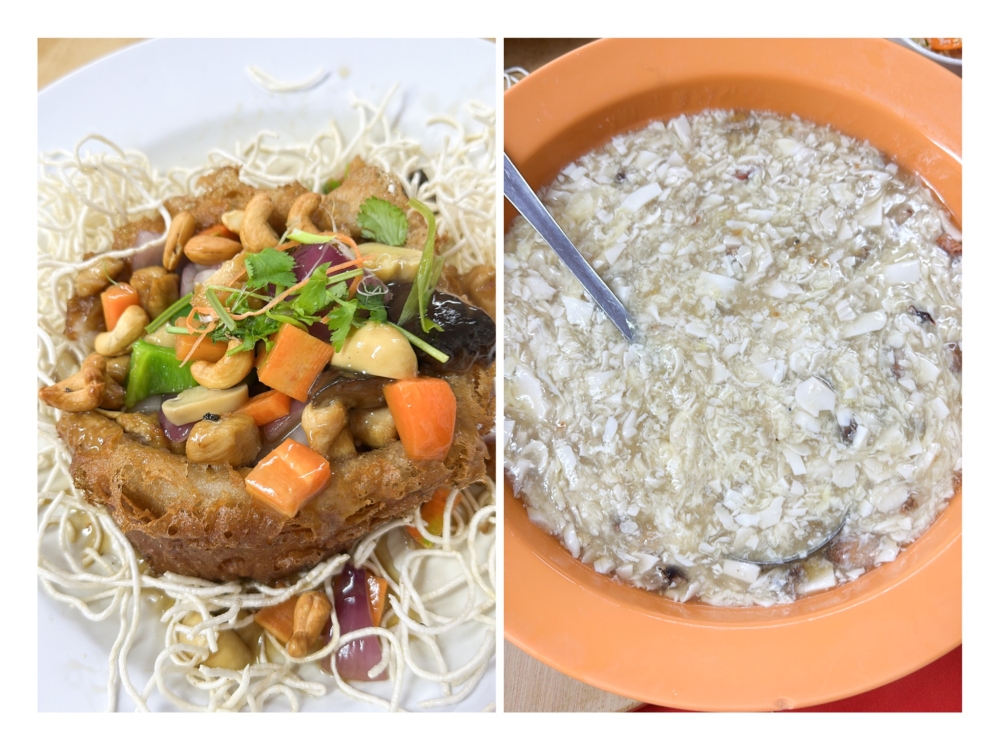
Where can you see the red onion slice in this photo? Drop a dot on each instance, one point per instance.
(309, 257)
(357, 657)
(175, 432)
(149, 405)
(279, 429)
(195, 274)
(151, 256)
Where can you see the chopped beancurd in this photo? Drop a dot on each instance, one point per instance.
(792, 389)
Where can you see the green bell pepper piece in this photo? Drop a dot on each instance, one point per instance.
(155, 370)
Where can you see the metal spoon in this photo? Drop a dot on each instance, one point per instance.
(523, 198)
(802, 555)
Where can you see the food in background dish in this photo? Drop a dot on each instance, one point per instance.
(798, 359)
(253, 376)
(947, 46)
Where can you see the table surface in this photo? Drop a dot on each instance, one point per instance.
(57, 57)
(530, 685)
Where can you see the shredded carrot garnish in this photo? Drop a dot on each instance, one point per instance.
(354, 286)
(292, 289)
(346, 240)
(189, 323)
(288, 245)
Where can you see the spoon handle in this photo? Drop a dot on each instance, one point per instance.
(523, 198)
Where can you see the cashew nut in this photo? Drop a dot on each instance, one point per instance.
(231, 220)
(374, 427)
(81, 392)
(127, 331)
(227, 439)
(95, 278)
(207, 250)
(322, 424)
(343, 446)
(233, 653)
(182, 226)
(225, 373)
(301, 210)
(255, 233)
(311, 611)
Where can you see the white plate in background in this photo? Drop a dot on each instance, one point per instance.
(175, 100)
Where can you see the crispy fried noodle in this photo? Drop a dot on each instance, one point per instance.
(439, 596)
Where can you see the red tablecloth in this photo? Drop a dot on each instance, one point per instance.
(937, 688)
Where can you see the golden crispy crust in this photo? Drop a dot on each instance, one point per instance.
(198, 520)
(222, 191)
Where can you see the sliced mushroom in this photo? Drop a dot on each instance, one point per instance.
(391, 263)
(160, 337)
(195, 403)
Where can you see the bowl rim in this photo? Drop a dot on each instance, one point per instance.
(889, 622)
(931, 54)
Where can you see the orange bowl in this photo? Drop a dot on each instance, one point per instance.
(826, 646)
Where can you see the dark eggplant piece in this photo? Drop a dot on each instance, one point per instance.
(469, 334)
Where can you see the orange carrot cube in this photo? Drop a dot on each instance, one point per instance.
(289, 477)
(424, 410)
(278, 619)
(115, 300)
(267, 407)
(293, 363)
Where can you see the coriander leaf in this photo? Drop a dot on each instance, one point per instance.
(339, 321)
(254, 329)
(383, 222)
(330, 184)
(314, 296)
(270, 266)
(338, 291)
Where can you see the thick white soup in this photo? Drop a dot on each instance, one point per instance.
(797, 360)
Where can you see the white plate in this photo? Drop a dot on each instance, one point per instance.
(175, 100)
